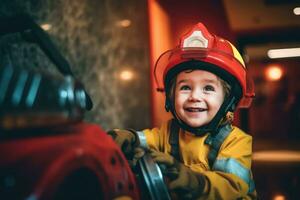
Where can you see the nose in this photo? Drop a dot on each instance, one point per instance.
(196, 95)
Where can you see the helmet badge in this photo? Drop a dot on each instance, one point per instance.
(196, 39)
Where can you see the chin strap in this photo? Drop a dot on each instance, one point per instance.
(174, 139)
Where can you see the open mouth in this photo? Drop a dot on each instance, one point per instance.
(189, 109)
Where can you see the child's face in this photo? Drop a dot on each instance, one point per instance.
(198, 96)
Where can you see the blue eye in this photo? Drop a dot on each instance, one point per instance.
(185, 87)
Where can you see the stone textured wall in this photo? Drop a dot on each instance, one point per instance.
(89, 35)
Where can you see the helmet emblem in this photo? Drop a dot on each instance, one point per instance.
(196, 39)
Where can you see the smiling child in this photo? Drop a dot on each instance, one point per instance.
(206, 157)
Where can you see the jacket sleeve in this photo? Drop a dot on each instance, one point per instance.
(230, 176)
(154, 138)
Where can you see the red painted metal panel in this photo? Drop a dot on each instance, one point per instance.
(35, 166)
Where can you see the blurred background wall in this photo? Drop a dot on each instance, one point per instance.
(106, 43)
(112, 46)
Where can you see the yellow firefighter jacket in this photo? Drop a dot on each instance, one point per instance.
(230, 176)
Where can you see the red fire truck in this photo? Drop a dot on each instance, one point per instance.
(47, 151)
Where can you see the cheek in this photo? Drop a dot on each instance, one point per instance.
(216, 102)
(179, 100)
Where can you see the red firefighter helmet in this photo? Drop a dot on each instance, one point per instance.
(199, 49)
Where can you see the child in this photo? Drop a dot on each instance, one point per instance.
(204, 81)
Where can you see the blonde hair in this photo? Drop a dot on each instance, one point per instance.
(229, 117)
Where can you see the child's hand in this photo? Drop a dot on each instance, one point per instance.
(162, 158)
(186, 184)
(137, 154)
(125, 140)
(189, 184)
(166, 163)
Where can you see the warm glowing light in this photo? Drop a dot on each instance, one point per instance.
(279, 197)
(46, 27)
(124, 23)
(277, 156)
(126, 75)
(284, 53)
(274, 73)
(296, 11)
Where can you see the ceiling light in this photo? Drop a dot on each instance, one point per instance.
(46, 27)
(274, 73)
(284, 53)
(296, 11)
